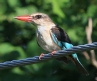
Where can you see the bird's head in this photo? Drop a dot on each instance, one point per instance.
(39, 19)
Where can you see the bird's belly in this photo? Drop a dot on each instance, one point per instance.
(47, 43)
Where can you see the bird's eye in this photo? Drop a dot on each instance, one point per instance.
(38, 16)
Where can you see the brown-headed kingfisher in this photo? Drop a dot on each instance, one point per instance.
(52, 38)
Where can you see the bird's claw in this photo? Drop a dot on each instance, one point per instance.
(41, 56)
(52, 53)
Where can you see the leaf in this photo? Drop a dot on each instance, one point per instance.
(57, 9)
(92, 9)
(13, 3)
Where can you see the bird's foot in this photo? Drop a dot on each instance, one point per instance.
(41, 56)
(52, 53)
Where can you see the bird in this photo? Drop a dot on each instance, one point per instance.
(51, 37)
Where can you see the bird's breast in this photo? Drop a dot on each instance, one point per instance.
(45, 41)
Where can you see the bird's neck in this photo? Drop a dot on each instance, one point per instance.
(46, 26)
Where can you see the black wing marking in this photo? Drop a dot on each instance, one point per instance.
(60, 34)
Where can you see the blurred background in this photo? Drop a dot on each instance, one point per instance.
(17, 39)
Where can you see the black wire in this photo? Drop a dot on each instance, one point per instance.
(33, 60)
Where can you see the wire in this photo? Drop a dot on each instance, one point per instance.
(33, 60)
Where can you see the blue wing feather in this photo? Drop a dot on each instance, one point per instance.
(63, 45)
(69, 46)
(59, 43)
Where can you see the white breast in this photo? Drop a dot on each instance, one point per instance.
(45, 41)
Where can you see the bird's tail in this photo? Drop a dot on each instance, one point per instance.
(79, 66)
(75, 59)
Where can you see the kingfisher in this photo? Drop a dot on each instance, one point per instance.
(52, 38)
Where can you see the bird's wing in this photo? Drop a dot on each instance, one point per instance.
(60, 37)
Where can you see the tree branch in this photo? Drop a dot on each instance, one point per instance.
(89, 39)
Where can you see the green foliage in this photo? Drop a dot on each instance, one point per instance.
(17, 39)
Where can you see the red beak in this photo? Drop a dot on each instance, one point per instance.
(25, 18)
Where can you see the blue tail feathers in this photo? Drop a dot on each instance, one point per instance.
(75, 59)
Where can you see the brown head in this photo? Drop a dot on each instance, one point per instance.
(39, 19)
